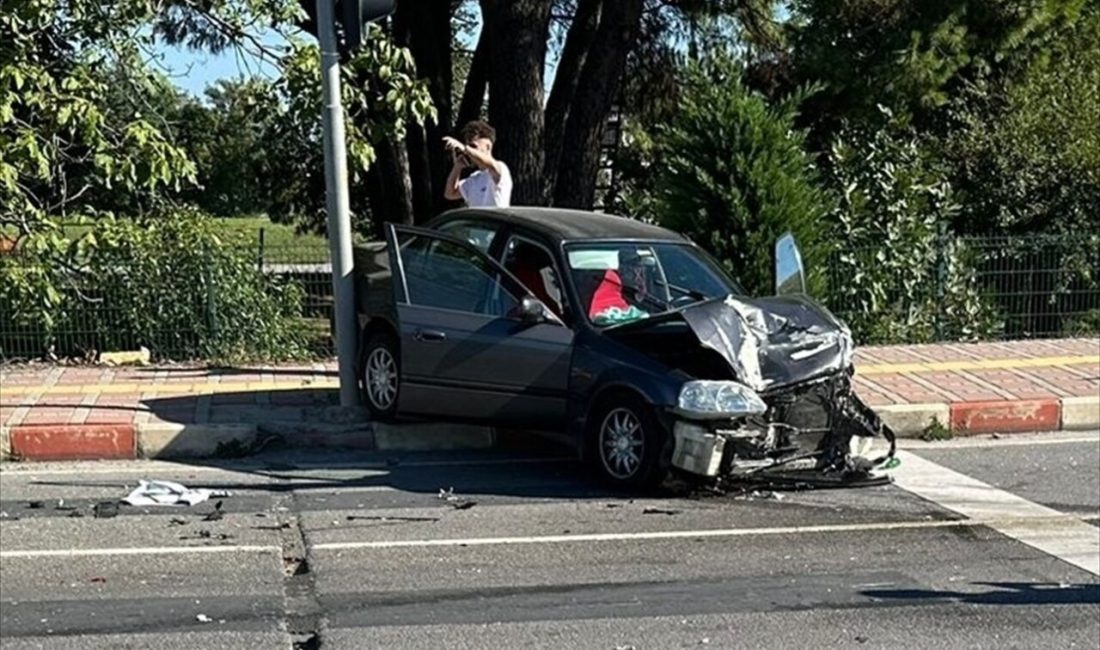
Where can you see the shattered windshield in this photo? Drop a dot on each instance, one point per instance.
(621, 282)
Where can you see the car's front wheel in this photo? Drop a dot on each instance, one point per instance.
(381, 376)
(626, 443)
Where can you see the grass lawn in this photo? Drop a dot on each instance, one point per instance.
(280, 242)
(275, 235)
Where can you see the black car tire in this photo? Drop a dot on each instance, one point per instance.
(623, 413)
(381, 361)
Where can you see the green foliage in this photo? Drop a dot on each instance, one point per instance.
(911, 55)
(730, 171)
(936, 431)
(896, 276)
(87, 130)
(1026, 152)
(381, 95)
(59, 138)
(174, 283)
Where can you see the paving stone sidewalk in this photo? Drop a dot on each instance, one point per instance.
(1005, 386)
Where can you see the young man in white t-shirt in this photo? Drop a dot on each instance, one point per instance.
(491, 184)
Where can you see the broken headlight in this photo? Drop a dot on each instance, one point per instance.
(719, 399)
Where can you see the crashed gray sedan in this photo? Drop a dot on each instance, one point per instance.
(625, 338)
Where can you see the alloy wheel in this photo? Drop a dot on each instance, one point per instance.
(622, 443)
(381, 379)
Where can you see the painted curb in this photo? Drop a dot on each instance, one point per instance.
(432, 436)
(1014, 416)
(1081, 413)
(910, 420)
(74, 442)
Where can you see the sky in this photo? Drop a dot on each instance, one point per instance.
(194, 71)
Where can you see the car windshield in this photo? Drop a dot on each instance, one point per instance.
(620, 282)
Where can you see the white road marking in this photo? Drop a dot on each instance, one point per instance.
(141, 550)
(1072, 541)
(1056, 520)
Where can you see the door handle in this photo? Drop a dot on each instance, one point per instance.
(430, 335)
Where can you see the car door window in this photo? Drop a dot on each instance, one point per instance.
(479, 234)
(533, 266)
(447, 275)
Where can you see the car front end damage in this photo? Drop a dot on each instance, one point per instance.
(817, 432)
(780, 405)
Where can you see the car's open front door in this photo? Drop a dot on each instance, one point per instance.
(465, 350)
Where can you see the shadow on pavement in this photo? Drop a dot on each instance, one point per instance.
(1003, 593)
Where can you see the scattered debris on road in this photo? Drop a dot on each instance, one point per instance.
(99, 579)
(216, 515)
(389, 518)
(106, 509)
(457, 502)
(168, 493)
(203, 618)
(35, 505)
(660, 511)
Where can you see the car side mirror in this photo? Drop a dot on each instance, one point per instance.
(790, 276)
(530, 311)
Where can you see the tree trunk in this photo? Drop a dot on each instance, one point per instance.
(389, 186)
(578, 42)
(424, 182)
(517, 56)
(477, 80)
(599, 83)
(430, 44)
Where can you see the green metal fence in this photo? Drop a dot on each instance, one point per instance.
(94, 318)
(1010, 287)
(1017, 287)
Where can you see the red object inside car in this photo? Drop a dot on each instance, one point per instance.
(609, 294)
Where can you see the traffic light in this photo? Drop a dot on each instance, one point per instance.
(351, 15)
(356, 13)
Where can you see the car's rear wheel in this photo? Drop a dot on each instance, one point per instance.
(381, 376)
(626, 443)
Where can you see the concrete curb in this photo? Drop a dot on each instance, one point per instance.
(344, 428)
(910, 420)
(1009, 416)
(230, 439)
(1080, 413)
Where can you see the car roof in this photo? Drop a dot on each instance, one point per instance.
(562, 225)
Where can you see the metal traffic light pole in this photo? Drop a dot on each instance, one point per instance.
(337, 203)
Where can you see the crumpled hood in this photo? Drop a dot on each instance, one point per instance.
(772, 342)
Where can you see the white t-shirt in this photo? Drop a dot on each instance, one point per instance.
(480, 191)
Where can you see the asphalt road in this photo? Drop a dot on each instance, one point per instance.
(981, 547)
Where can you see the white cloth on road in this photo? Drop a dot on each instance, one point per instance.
(168, 493)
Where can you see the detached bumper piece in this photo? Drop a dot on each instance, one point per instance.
(813, 435)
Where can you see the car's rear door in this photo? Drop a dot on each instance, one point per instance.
(463, 352)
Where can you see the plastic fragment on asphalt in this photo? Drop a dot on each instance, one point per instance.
(105, 509)
(168, 493)
(659, 511)
(203, 618)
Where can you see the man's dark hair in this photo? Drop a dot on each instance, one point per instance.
(476, 130)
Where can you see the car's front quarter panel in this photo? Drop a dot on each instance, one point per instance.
(601, 364)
